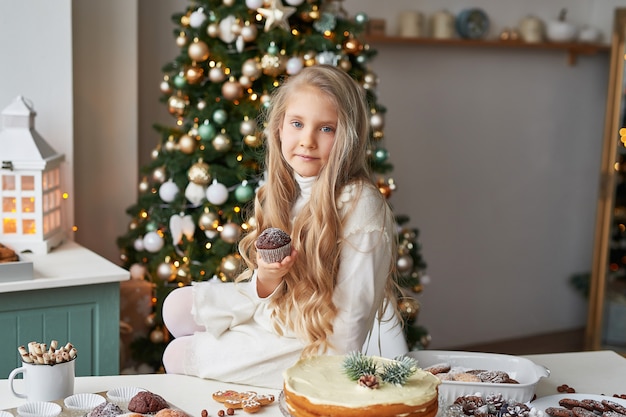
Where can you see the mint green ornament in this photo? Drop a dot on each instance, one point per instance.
(206, 131)
(180, 81)
(220, 116)
(244, 192)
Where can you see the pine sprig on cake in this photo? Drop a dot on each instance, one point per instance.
(363, 369)
(356, 365)
(399, 371)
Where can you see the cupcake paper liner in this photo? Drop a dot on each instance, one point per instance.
(275, 255)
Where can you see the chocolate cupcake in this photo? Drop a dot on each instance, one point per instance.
(273, 245)
(146, 402)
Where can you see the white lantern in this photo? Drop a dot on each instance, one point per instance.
(30, 183)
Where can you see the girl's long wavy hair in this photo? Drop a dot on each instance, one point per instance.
(305, 303)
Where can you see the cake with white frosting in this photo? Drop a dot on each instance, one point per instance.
(321, 386)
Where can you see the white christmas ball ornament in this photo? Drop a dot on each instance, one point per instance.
(294, 65)
(294, 2)
(138, 244)
(254, 4)
(168, 191)
(195, 193)
(217, 193)
(197, 18)
(226, 29)
(153, 242)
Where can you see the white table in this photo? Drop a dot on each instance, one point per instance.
(601, 372)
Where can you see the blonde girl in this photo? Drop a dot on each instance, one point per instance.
(325, 296)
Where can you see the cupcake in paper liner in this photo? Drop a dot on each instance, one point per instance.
(273, 245)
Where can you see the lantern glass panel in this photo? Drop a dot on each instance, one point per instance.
(46, 223)
(29, 226)
(8, 182)
(28, 204)
(28, 183)
(9, 226)
(8, 205)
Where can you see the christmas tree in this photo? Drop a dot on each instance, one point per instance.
(206, 167)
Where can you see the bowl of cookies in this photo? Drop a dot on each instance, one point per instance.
(467, 373)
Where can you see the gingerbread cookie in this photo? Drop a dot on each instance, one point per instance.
(248, 401)
(466, 377)
(559, 412)
(438, 368)
(615, 406)
(570, 403)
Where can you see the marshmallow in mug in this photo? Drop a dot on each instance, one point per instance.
(40, 354)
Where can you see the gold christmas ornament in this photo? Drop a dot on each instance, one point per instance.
(232, 90)
(253, 141)
(198, 50)
(409, 308)
(177, 105)
(222, 142)
(199, 173)
(183, 274)
(236, 27)
(217, 74)
(404, 264)
(143, 185)
(170, 145)
(231, 232)
(309, 58)
(249, 32)
(166, 271)
(273, 65)
(417, 288)
(181, 40)
(370, 80)
(230, 267)
(252, 68)
(208, 221)
(187, 144)
(213, 30)
(158, 175)
(345, 64)
(377, 121)
(245, 81)
(194, 74)
(247, 127)
(165, 87)
(352, 46)
(157, 336)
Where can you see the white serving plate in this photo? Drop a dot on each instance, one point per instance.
(523, 370)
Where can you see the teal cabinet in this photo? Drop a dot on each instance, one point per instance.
(87, 316)
(73, 296)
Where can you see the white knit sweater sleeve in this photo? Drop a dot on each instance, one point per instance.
(365, 262)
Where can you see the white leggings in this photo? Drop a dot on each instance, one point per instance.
(181, 324)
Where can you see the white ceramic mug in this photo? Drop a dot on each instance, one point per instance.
(45, 382)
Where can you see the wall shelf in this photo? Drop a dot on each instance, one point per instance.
(573, 49)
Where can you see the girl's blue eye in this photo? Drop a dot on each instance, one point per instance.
(296, 124)
(328, 129)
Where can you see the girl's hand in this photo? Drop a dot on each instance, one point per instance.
(270, 275)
